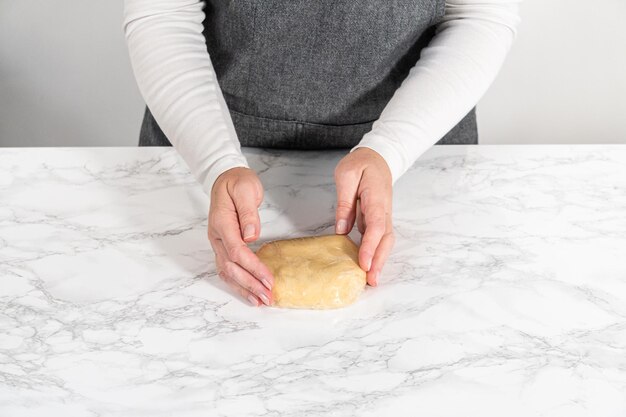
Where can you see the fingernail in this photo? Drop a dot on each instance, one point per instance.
(252, 300)
(342, 226)
(265, 299)
(266, 283)
(368, 264)
(248, 231)
(376, 278)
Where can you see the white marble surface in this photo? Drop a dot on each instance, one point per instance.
(505, 294)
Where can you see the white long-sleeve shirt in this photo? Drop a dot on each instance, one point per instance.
(178, 83)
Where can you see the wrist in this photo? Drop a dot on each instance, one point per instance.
(394, 160)
(227, 174)
(220, 167)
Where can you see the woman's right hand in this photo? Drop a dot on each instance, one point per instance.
(233, 221)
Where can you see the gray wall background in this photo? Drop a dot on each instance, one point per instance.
(66, 80)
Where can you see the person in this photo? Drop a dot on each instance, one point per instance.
(383, 79)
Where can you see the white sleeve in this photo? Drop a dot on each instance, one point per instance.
(176, 78)
(452, 74)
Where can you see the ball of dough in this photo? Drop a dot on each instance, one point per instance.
(318, 272)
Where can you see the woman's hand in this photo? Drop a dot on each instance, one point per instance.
(233, 221)
(363, 176)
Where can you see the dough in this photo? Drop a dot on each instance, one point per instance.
(314, 272)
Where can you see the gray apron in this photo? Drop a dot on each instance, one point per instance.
(302, 74)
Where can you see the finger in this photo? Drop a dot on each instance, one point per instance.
(248, 282)
(252, 299)
(374, 217)
(219, 251)
(244, 283)
(347, 185)
(380, 257)
(237, 251)
(247, 197)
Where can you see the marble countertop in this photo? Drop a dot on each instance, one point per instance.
(505, 294)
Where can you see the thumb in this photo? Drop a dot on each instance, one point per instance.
(247, 197)
(345, 213)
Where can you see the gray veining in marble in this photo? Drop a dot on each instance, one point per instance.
(505, 294)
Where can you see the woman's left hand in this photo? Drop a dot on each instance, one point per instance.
(364, 195)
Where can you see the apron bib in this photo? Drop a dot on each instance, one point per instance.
(304, 74)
